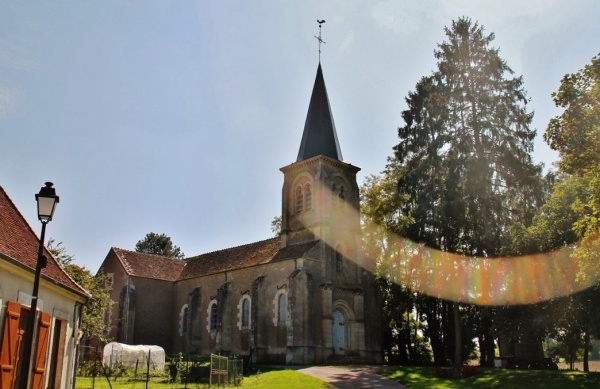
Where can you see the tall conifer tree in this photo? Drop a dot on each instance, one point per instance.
(465, 148)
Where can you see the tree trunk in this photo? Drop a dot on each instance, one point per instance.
(457, 337)
(586, 350)
(434, 332)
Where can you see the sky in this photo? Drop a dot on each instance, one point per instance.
(175, 116)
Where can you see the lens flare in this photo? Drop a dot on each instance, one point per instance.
(517, 280)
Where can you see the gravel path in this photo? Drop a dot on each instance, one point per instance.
(350, 377)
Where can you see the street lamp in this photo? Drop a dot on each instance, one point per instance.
(46, 203)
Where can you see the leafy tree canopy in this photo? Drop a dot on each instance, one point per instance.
(575, 134)
(92, 324)
(276, 225)
(159, 244)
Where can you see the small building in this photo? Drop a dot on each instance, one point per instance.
(303, 297)
(59, 307)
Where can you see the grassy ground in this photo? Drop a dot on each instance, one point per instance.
(411, 377)
(288, 379)
(425, 378)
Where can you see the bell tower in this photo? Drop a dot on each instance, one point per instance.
(320, 192)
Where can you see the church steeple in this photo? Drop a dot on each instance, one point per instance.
(319, 137)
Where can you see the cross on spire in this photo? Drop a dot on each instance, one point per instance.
(319, 38)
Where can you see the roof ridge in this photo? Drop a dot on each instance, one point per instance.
(232, 247)
(143, 253)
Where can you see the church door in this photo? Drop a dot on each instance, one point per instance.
(339, 333)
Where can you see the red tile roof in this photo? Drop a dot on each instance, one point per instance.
(169, 269)
(149, 265)
(240, 257)
(20, 243)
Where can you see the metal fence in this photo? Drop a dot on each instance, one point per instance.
(226, 371)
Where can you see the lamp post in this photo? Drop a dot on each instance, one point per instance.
(46, 203)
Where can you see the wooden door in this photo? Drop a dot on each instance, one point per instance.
(11, 342)
(41, 353)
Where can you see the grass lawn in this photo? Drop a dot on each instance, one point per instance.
(424, 377)
(288, 379)
(411, 377)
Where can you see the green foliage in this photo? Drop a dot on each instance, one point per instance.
(276, 225)
(575, 134)
(465, 148)
(554, 224)
(176, 367)
(92, 325)
(59, 252)
(159, 244)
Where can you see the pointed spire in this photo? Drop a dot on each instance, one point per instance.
(319, 137)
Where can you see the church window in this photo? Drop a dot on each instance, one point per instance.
(307, 197)
(341, 198)
(183, 320)
(214, 316)
(246, 312)
(282, 309)
(299, 200)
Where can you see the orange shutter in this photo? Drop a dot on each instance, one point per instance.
(11, 340)
(41, 351)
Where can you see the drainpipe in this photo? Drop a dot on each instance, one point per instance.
(76, 329)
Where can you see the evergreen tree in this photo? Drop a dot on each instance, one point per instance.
(465, 153)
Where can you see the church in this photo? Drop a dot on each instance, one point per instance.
(304, 297)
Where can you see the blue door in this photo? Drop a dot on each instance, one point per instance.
(339, 333)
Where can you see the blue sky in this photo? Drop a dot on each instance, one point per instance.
(175, 116)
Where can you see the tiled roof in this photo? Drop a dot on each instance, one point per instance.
(149, 265)
(20, 243)
(169, 269)
(240, 257)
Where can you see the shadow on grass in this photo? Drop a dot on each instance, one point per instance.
(424, 377)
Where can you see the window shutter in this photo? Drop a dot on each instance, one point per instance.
(11, 340)
(41, 351)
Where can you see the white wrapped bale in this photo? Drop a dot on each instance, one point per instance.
(118, 355)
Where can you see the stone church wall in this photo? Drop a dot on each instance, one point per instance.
(265, 338)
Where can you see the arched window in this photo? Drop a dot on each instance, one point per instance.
(246, 312)
(214, 316)
(341, 198)
(183, 319)
(307, 197)
(282, 309)
(299, 200)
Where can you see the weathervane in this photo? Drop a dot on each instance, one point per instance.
(319, 38)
